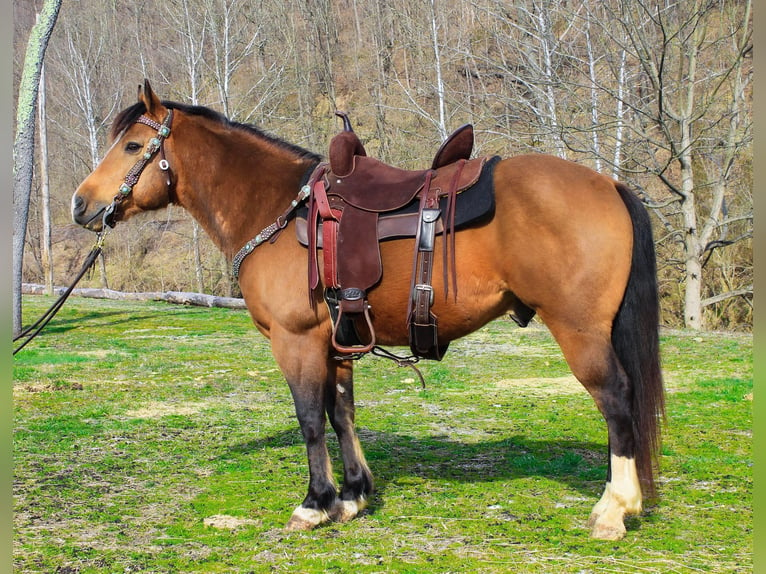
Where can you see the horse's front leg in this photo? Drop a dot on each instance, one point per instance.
(319, 384)
(302, 358)
(357, 478)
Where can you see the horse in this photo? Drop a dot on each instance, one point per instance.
(565, 243)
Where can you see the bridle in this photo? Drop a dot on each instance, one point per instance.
(156, 144)
(131, 178)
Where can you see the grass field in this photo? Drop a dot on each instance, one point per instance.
(158, 438)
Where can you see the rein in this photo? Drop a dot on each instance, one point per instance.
(33, 330)
(107, 215)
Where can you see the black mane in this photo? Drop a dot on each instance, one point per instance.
(128, 117)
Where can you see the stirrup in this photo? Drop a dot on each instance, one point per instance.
(362, 347)
(343, 326)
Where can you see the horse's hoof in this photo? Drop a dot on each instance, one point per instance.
(346, 510)
(608, 532)
(306, 519)
(593, 518)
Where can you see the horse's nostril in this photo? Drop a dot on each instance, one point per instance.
(78, 205)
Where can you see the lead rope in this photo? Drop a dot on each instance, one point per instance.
(401, 362)
(33, 330)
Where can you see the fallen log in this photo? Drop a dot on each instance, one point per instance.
(175, 297)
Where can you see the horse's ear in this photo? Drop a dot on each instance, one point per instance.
(148, 97)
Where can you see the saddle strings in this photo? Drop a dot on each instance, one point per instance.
(449, 233)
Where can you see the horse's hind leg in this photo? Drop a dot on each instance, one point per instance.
(357, 478)
(595, 364)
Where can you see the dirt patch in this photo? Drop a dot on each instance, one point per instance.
(157, 410)
(103, 353)
(226, 522)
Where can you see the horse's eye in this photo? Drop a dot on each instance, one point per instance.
(133, 147)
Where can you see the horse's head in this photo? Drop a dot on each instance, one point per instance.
(134, 174)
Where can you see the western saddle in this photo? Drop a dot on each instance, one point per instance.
(350, 197)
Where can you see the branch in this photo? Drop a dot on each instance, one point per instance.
(745, 291)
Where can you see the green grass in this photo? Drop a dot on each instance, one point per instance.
(137, 424)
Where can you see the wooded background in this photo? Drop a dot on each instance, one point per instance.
(656, 93)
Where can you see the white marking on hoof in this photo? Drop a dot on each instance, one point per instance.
(606, 519)
(345, 510)
(622, 496)
(603, 532)
(306, 519)
(625, 485)
(601, 505)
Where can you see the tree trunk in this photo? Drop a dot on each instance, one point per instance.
(440, 89)
(24, 142)
(45, 190)
(198, 276)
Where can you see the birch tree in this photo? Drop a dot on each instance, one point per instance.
(234, 38)
(24, 141)
(81, 61)
(421, 56)
(531, 54)
(439, 88)
(191, 30)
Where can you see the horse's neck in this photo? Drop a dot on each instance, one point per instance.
(238, 186)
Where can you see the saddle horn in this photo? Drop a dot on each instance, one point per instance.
(344, 146)
(346, 122)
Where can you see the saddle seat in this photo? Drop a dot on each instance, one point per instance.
(378, 187)
(345, 145)
(348, 197)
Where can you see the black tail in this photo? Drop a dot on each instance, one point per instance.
(635, 338)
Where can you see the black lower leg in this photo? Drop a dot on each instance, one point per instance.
(357, 478)
(322, 490)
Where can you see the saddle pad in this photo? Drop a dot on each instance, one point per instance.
(473, 205)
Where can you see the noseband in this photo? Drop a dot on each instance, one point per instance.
(131, 178)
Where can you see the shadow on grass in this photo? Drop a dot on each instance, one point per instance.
(397, 460)
(92, 319)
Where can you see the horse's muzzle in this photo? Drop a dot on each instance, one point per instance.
(89, 220)
(78, 208)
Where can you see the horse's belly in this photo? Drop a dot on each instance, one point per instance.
(479, 295)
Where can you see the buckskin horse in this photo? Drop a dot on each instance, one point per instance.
(571, 245)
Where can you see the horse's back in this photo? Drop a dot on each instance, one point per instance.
(559, 243)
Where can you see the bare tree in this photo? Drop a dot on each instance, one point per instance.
(323, 39)
(82, 63)
(439, 87)
(234, 38)
(608, 83)
(382, 44)
(191, 30)
(532, 55)
(425, 44)
(693, 121)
